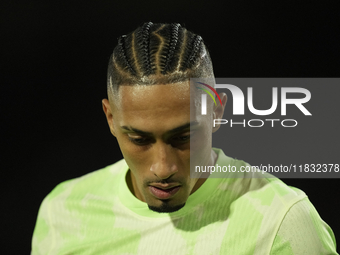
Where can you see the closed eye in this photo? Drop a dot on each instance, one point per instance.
(181, 139)
(174, 141)
(140, 140)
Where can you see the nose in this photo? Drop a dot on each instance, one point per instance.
(164, 161)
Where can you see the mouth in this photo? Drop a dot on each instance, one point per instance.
(164, 191)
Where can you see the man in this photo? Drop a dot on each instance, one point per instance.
(147, 203)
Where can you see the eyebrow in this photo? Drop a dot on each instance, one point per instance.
(174, 130)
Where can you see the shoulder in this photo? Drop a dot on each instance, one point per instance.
(90, 182)
(100, 184)
(302, 231)
(74, 200)
(254, 186)
(284, 217)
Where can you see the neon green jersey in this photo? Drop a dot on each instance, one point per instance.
(97, 214)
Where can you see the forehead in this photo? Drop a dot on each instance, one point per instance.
(147, 105)
(146, 95)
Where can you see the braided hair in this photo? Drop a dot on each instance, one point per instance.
(158, 54)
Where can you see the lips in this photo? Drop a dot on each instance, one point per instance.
(164, 191)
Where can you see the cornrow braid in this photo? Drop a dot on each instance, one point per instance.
(193, 46)
(158, 54)
(195, 49)
(144, 41)
(172, 45)
(121, 44)
(157, 46)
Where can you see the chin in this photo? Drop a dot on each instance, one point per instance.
(165, 207)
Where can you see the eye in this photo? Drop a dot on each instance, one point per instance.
(138, 140)
(183, 138)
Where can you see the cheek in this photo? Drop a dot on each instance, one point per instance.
(202, 138)
(129, 154)
(134, 157)
(200, 148)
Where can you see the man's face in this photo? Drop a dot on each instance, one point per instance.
(152, 126)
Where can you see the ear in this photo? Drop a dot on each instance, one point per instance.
(108, 113)
(219, 110)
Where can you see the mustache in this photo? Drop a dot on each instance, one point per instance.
(147, 182)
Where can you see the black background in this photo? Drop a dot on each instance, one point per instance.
(54, 59)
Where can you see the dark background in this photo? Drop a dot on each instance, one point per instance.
(54, 59)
